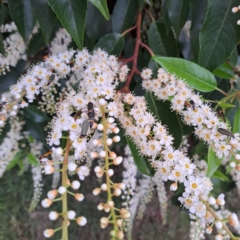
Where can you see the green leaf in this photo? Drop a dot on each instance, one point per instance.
(224, 71)
(112, 43)
(32, 159)
(142, 3)
(163, 113)
(160, 42)
(195, 76)
(213, 162)
(198, 12)
(2, 50)
(102, 7)
(30, 138)
(219, 35)
(165, 17)
(35, 114)
(236, 122)
(225, 105)
(17, 158)
(72, 15)
(36, 44)
(178, 12)
(218, 174)
(45, 16)
(22, 15)
(141, 162)
(124, 14)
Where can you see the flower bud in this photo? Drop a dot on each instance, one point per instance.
(104, 187)
(110, 120)
(104, 222)
(97, 169)
(46, 202)
(102, 101)
(100, 206)
(79, 197)
(106, 208)
(115, 130)
(100, 127)
(110, 172)
(233, 220)
(62, 189)
(96, 191)
(53, 215)
(93, 154)
(119, 222)
(218, 237)
(124, 213)
(52, 194)
(211, 200)
(118, 160)
(48, 233)
(109, 141)
(220, 200)
(235, 9)
(209, 230)
(81, 221)
(72, 166)
(71, 214)
(102, 154)
(120, 235)
(75, 184)
(116, 139)
(112, 155)
(218, 224)
(232, 164)
(48, 169)
(174, 187)
(117, 192)
(59, 151)
(110, 204)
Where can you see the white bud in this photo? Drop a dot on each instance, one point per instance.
(62, 189)
(110, 120)
(232, 164)
(237, 156)
(174, 187)
(71, 215)
(100, 206)
(48, 169)
(112, 155)
(118, 160)
(95, 142)
(116, 139)
(218, 224)
(115, 130)
(102, 154)
(209, 230)
(211, 200)
(53, 215)
(46, 202)
(97, 169)
(59, 151)
(110, 172)
(102, 101)
(96, 191)
(52, 194)
(72, 166)
(218, 237)
(109, 141)
(93, 155)
(235, 9)
(79, 197)
(48, 233)
(81, 221)
(15, 107)
(104, 187)
(122, 186)
(117, 192)
(100, 127)
(75, 184)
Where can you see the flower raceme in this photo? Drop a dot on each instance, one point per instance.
(99, 76)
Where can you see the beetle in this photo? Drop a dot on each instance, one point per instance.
(225, 132)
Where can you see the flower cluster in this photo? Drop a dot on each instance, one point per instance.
(194, 112)
(153, 141)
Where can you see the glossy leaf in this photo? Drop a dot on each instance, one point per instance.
(22, 15)
(213, 162)
(236, 122)
(142, 3)
(178, 12)
(224, 71)
(112, 43)
(102, 7)
(163, 113)
(165, 17)
(45, 17)
(198, 11)
(72, 15)
(32, 159)
(1, 18)
(219, 35)
(141, 162)
(124, 14)
(195, 76)
(225, 105)
(35, 114)
(218, 174)
(161, 43)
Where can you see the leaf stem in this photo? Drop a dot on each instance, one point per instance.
(221, 91)
(128, 30)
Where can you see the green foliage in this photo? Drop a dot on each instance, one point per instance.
(72, 15)
(102, 6)
(213, 162)
(195, 76)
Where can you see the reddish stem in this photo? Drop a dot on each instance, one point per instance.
(135, 55)
(148, 48)
(128, 30)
